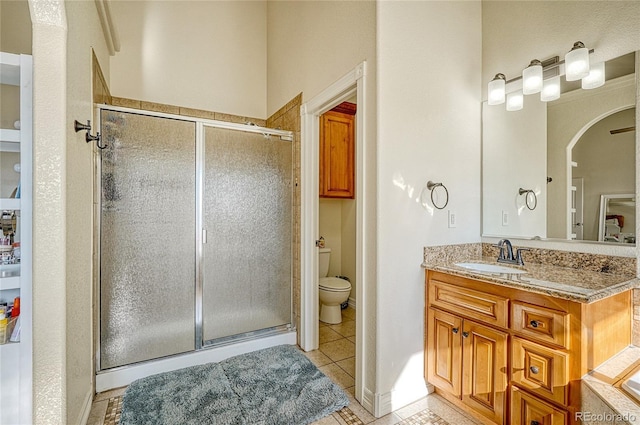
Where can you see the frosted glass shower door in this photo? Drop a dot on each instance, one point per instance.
(147, 238)
(247, 216)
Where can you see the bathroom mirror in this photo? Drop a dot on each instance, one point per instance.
(569, 153)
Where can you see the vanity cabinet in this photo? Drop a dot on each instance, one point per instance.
(511, 356)
(469, 359)
(337, 152)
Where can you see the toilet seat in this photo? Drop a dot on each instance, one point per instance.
(334, 284)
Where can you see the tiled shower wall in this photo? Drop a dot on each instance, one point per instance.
(288, 118)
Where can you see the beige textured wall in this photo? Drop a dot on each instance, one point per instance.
(84, 34)
(207, 55)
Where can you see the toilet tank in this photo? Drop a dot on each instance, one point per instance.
(323, 262)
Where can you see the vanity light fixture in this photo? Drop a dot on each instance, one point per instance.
(577, 62)
(532, 78)
(550, 89)
(497, 90)
(544, 77)
(515, 101)
(595, 78)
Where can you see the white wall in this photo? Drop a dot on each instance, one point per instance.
(84, 34)
(429, 65)
(208, 55)
(514, 32)
(311, 45)
(337, 224)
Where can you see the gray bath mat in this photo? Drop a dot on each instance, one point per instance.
(274, 386)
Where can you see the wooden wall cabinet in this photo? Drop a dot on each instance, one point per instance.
(510, 356)
(337, 152)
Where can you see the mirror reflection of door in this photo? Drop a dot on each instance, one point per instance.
(577, 209)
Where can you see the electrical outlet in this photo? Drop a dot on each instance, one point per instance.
(505, 218)
(453, 221)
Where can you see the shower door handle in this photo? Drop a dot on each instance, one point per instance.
(204, 235)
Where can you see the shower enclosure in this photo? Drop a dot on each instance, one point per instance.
(195, 234)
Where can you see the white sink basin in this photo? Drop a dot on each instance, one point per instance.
(490, 268)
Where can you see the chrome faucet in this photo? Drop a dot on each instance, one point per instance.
(508, 257)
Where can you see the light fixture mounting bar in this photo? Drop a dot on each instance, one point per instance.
(553, 63)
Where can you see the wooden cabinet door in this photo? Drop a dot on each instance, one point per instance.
(337, 149)
(529, 410)
(484, 366)
(444, 355)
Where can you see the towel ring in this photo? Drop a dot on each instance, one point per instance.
(432, 186)
(526, 193)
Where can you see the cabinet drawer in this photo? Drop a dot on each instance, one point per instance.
(487, 308)
(540, 323)
(541, 370)
(529, 410)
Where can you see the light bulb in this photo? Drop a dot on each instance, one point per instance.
(595, 77)
(515, 101)
(532, 78)
(496, 90)
(576, 62)
(550, 89)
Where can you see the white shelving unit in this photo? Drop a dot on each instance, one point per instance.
(15, 279)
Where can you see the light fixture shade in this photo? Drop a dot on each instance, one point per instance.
(595, 77)
(532, 78)
(576, 62)
(496, 90)
(515, 101)
(550, 89)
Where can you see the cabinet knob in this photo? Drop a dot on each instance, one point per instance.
(534, 369)
(534, 323)
(534, 423)
(455, 330)
(465, 334)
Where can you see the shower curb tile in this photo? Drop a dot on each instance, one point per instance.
(198, 113)
(125, 103)
(160, 107)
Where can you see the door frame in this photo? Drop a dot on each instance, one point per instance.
(350, 84)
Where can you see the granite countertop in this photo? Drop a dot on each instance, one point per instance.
(572, 284)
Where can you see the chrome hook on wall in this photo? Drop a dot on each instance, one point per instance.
(432, 186)
(526, 193)
(77, 126)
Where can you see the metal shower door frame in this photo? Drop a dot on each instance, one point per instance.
(200, 124)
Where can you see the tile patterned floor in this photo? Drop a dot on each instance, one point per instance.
(336, 359)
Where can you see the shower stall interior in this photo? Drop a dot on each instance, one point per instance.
(195, 234)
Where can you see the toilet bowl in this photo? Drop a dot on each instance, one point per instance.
(333, 291)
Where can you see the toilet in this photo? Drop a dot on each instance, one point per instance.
(333, 291)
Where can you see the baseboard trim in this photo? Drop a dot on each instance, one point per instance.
(352, 303)
(86, 408)
(368, 400)
(127, 374)
(397, 399)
